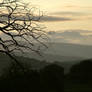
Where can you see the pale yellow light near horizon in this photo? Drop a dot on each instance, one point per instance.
(56, 5)
(53, 6)
(81, 15)
(78, 11)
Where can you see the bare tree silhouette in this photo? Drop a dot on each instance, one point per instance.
(19, 28)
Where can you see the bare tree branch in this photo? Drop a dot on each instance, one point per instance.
(20, 28)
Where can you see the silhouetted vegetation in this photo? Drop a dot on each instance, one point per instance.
(20, 29)
(52, 78)
(48, 79)
(80, 77)
(82, 71)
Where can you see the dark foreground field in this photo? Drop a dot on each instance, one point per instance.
(80, 77)
(49, 77)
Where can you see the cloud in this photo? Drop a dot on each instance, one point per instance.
(72, 6)
(67, 34)
(77, 6)
(67, 13)
(55, 18)
(72, 36)
(74, 15)
(75, 33)
(42, 18)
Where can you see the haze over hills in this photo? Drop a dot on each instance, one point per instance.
(73, 50)
(64, 52)
(5, 62)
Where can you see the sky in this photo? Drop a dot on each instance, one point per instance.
(68, 21)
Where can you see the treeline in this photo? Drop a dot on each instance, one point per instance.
(50, 78)
(81, 72)
(79, 79)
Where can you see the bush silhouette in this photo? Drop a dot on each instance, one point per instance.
(48, 79)
(52, 78)
(16, 80)
(82, 71)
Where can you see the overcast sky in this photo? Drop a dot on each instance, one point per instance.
(71, 18)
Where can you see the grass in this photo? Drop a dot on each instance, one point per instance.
(77, 87)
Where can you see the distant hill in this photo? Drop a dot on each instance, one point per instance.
(72, 50)
(63, 52)
(5, 61)
(52, 57)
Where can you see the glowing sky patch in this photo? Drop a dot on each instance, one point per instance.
(62, 15)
